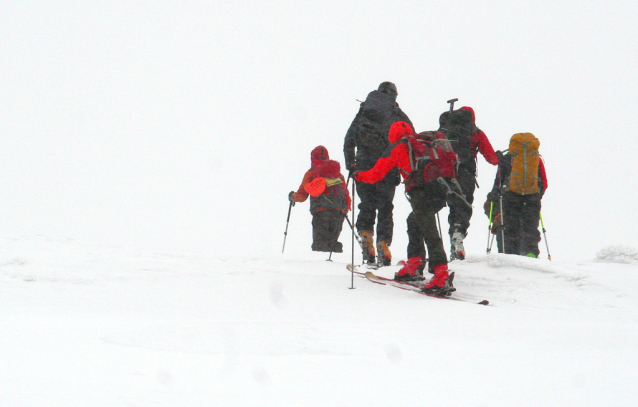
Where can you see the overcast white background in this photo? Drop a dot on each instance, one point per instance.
(146, 153)
(184, 125)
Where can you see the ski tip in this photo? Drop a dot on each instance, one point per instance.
(371, 277)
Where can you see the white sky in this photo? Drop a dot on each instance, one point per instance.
(185, 125)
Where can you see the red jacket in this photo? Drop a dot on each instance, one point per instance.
(541, 169)
(321, 166)
(399, 157)
(480, 143)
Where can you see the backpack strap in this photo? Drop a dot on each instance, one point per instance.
(443, 182)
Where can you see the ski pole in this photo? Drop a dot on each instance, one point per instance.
(502, 223)
(489, 229)
(341, 216)
(355, 235)
(292, 203)
(354, 183)
(451, 102)
(549, 256)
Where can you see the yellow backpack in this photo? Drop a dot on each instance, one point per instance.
(525, 161)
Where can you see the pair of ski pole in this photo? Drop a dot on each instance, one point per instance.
(490, 235)
(292, 203)
(354, 235)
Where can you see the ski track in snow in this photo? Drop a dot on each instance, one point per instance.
(87, 325)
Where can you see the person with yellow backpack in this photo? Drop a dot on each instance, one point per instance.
(514, 203)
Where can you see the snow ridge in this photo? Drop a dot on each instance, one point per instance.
(618, 254)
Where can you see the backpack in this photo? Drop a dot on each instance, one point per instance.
(458, 127)
(378, 107)
(431, 157)
(328, 190)
(375, 118)
(523, 178)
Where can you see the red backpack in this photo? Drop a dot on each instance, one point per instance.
(431, 157)
(328, 189)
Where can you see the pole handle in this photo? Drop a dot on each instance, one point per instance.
(451, 102)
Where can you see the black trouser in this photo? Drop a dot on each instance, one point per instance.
(460, 212)
(498, 236)
(521, 215)
(416, 244)
(426, 202)
(376, 201)
(326, 228)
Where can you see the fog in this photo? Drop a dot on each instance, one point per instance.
(184, 126)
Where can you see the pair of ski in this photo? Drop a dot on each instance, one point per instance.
(407, 285)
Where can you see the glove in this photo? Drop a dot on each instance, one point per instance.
(496, 224)
(487, 206)
(499, 154)
(352, 168)
(290, 198)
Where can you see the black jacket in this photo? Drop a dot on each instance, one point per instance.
(368, 136)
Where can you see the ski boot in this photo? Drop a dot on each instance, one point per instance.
(367, 246)
(384, 257)
(441, 284)
(457, 251)
(408, 271)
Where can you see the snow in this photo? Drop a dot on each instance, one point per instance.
(147, 150)
(105, 326)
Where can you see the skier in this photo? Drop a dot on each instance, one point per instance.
(459, 126)
(329, 200)
(364, 143)
(424, 191)
(519, 186)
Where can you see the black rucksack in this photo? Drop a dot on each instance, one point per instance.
(374, 123)
(458, 128)
(378, 107)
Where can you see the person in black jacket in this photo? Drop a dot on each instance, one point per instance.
(459, 126)
(365, 142)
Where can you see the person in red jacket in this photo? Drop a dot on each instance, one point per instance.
(329, 200)
(426, 199)
(467, 140)
(517, 226)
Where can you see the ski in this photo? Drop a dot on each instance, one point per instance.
(410, 286)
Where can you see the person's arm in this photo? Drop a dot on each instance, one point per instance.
(501, 174)
(301, 195)
(543, 175)
(485, 147)
(349, 143)
(381, 168)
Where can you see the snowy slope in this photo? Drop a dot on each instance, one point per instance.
(103, 326)
(182, 127)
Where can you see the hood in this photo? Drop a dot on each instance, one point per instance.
(399, 130)
(319, 155)
(388, 88)
(469, 109)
